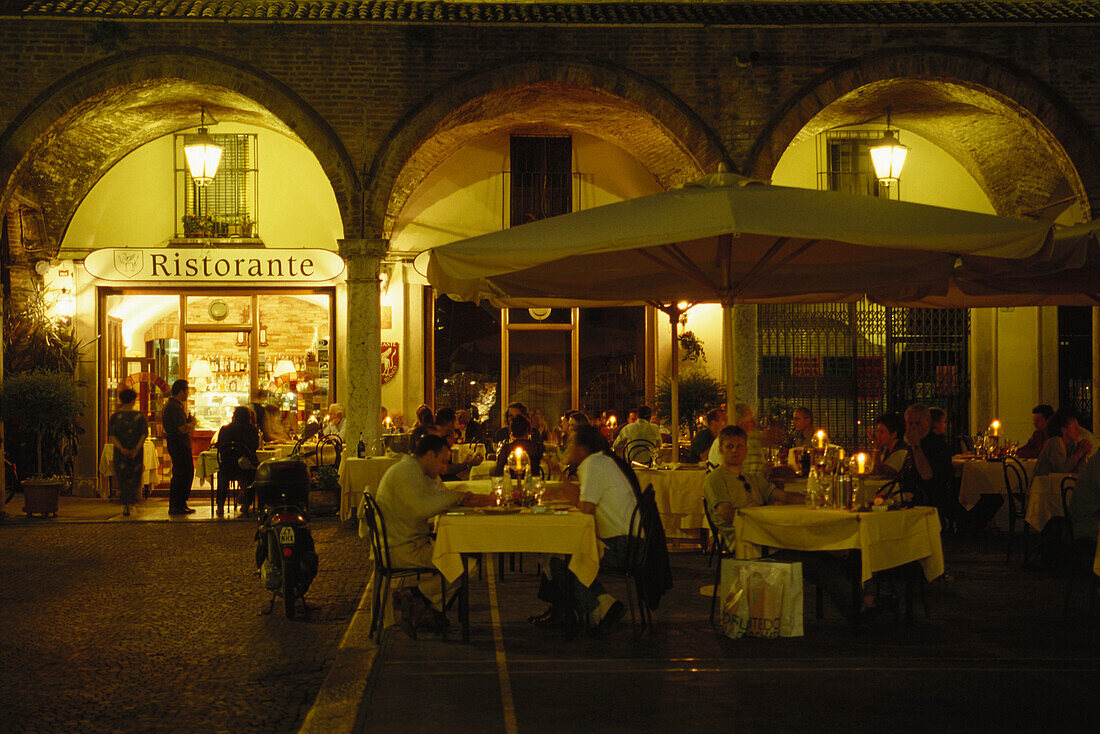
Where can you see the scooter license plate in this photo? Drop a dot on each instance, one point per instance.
(286, 535)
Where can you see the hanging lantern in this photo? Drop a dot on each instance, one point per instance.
(203, 154)
(888, 156)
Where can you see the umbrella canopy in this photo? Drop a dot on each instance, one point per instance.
(729, 239)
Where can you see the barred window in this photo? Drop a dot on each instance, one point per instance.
(227, 206)
(844, 163)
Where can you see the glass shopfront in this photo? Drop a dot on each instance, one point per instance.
(235, 347)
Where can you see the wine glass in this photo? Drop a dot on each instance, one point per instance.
(498, 490)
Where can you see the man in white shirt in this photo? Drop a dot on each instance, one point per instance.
(335, 425)
(607, 492)
(408, 495)
(643, 432)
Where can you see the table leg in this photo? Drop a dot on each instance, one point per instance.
(464, 599)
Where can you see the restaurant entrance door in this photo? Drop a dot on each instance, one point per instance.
(540, 359)
(234, 346)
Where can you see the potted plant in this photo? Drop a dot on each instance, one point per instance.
(698, 392)
(198, 225)
(49, 405)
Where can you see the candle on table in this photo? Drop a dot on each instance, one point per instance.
(995, 428)
(861, 463)
(819, 439)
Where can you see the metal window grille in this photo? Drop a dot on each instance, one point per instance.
(850, 362)
(227, 207)
(1075, 361)
(844, 164)
(541, 180)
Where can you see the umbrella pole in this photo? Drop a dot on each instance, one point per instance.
(729, 360)
(674, 377)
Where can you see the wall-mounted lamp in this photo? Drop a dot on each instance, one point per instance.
(888, 156)
(203, 154)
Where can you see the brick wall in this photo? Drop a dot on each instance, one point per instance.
(358, 84)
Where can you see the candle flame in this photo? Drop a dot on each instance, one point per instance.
(861, 463)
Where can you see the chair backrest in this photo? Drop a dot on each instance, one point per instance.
(229, 452)
(331, 441)
(1015, 485)
(635, 541)
(377, 524)
(714, 531)
(640, 450)
(1068, 484)
(963, 444)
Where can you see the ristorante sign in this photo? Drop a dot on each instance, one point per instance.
(221, 265)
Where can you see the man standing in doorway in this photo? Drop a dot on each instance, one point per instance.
(178, 425)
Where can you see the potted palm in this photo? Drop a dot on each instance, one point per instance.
(47, 405)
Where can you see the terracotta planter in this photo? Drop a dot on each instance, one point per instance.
(40, 496)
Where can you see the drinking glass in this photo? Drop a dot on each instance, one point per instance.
(539, 485)
(498, 490)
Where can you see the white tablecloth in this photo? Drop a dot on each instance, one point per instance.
(358, 474)
(107, 466)
(679, 497)
(985, 477)
(1044, 499)
(884, 539)
(206, 467)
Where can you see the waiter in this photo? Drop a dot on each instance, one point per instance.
(178, 425)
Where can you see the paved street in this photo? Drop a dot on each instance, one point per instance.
(997, 656)
(127, 627)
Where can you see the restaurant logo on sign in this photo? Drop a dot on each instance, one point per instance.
(389, 361)
(224, 265)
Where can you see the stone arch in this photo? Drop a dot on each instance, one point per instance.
(61, 145)
(610, 103)
(972, 106)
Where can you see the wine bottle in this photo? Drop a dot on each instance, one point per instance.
(361, 449)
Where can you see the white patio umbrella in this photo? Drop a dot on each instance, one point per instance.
(728, 239)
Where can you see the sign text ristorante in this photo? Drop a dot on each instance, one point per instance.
(170, 265)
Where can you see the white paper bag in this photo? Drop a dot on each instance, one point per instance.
(761, 599)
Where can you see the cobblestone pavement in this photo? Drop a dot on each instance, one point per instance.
(156, 627)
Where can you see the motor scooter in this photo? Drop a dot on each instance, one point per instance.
(285, 555)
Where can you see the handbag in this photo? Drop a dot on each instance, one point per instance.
(761, 599)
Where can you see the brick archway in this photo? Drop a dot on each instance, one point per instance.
(973, 107)
(71, 135)
(661, 132)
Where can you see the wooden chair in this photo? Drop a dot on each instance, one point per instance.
(385, 571)
(635, 558)
(229, 456)
(721, 552)
(1016, 484)
(640, 451)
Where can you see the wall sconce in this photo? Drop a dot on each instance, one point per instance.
(203, 154)
(888, 156)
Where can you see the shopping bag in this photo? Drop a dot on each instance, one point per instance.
(761, 599)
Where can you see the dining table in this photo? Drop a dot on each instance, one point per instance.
(358, 475)
(150, 467)
(1044, 499)
(206, 465)
(983, 476)
(885, 539)
(552, 529)
(678, 493)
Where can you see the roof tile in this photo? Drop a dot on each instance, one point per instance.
(780, 12)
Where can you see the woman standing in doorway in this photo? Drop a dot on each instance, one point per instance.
(128, 430)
